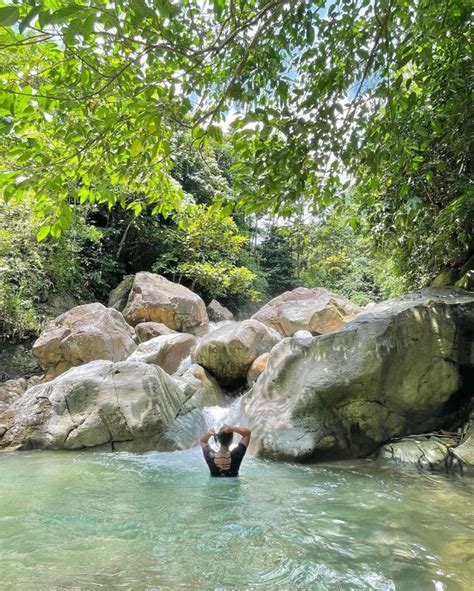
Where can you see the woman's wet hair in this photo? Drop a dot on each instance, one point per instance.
(225, 438)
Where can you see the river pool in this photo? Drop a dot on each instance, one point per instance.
(158, 521)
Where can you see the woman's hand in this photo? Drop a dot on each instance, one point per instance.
(227, 429)
(205, 438)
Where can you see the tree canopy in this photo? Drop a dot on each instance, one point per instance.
(322, 98)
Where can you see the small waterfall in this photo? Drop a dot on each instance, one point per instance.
(184, 366)
(217, 416)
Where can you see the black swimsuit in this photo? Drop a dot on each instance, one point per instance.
(236, 457)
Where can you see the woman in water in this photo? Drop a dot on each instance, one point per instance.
(225, 462)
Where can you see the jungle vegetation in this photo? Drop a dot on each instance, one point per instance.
(242, 147)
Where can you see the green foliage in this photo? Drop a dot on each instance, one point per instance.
(105, 104)
(204, 248)
(32, 272)
(343, 261)
(277, 260)
(18, 318)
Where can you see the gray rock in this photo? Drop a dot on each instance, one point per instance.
(118, 406)
(465, 451)
(317, 310)
(166, 351)
(396, 369)
(229, 351)
(427, 454)
(119, 296)
(13, 389)
(217, 312)
(83, 334)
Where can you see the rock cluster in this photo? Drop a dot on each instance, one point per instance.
(138, 376)
(228, 352)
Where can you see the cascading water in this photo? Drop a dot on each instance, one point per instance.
(190, 425)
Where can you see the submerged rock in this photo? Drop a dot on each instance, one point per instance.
(427, 454)
(399, 368)
(229, 351)
(83, 334)
(120, 406)
(317, 310)
(166, 351)
(152, 298)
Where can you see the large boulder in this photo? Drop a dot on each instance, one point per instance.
(149, 330)
(118, 406)
(83, 334)
(167, 351)
(399, 368)
(152, 298)
(317, 310)
(218, 313)
(229, 351)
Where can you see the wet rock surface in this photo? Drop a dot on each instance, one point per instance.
(401, 367)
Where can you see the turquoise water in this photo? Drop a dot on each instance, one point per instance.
(157, 521)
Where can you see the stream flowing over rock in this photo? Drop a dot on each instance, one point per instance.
(401, 367)
(166, 351)
(83, 334)
(119, 406)
(317, 310)
(200, 390)
(229, 351)
(152, 298)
